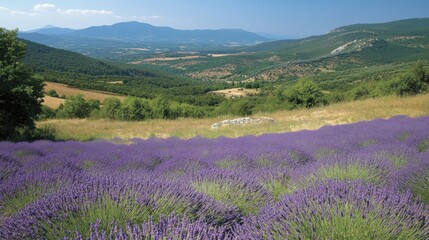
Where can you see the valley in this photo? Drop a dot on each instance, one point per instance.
(113, 128)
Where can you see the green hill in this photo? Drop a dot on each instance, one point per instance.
(348, 48)
(42, 58)
(77, 70)
(411, 34)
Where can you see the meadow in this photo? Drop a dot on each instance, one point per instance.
(367, 180)
(285, 121)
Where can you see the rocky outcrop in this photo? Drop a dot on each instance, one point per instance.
(241, 121)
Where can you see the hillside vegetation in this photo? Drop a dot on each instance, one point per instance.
(319, 57)
(285, 121)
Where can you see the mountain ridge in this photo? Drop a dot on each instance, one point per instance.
(134, 30)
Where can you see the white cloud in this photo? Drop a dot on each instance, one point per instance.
(146, 17)
(4, 9)
(45, 7)
(86, 12)
(42, 7)
(15, 12)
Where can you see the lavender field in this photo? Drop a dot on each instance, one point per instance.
(368, 180)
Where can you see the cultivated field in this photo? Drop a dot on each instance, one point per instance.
(367, 180)
(285, 121)
(52, 102)
(235, 92)
(68, 91)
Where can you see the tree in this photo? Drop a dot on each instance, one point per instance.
(110, 108)
(20, 93)
(53, 93)
(75, 107)
(161, 108)
(304, 93)
(415, 81)
(419, 73)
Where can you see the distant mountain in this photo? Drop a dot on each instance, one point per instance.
(148, 33)
(133, 40)
(52, 30)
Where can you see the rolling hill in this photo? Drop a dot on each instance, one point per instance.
(42, 58)
(340, 59)
(349, 48)
(353, 38)
(74, 69)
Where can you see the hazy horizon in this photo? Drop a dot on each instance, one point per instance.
(292, 19)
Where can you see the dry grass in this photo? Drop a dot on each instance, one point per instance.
(63, 89)
(235, 92)
(285, 121)
(52, 102)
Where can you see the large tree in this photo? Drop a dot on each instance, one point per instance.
(20, 93)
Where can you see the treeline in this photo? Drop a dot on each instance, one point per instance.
(305, 93)
(175, 89)
(412, 82)
(131, 109)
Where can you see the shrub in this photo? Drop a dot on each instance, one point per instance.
(75, 107)
(305, 93)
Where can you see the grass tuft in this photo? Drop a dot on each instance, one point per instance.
(105, 210)
(350, 172)
(20, 200)
(420, 187)
(248, 202)
(349, 223)
(423, 146)
(367, 143)
(228, 163)
(325, 152)
(278, 187)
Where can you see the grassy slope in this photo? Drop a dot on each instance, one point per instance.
(285, 121)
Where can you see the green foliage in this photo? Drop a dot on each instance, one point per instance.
(20, 93)
(347, 222)
(77, 107)
(423, 146)
(350, 172)
(247, 201)
(228, 163)
(105, 210)
(46, 113)
(278, 187)
(134, 109)
(420, 187)
(161, 108)
(110, 108)
(361, 92)
(42, 58)
(339, 172)
(415, 81)
(52, 93)
(304, 93)
(20, 200)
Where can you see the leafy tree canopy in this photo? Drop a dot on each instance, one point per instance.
(20, 93)
(304, 93)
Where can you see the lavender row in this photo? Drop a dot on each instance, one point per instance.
(308, 184)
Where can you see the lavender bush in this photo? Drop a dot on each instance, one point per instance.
(368, 180)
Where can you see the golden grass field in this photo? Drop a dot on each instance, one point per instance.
(235, 92)
(67, 91)
(285, 121)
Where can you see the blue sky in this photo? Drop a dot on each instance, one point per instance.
(298, 18)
